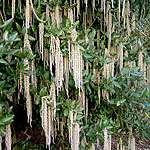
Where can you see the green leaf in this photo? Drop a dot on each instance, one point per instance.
(116, 84)
(31, 38)
(11, 52)
(7, 23)
(19, 29)
(7, 118)
(13, 36)
(2, 61)
(66, 112)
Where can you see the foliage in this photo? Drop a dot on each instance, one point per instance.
(116, 101)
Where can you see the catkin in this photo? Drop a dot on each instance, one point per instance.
(83, 141)
(52, 52)
(8, 137)
(105, 139)
(92, 147)
(128, 21)
(27, 15)
(120, 52)
(27, 92)
(119, 11)
(41, 34)
(47, 11)
(133, 20)
(57, 16)
(93, 5)
(78, 8)
(109, 29)
(58, 66)
(13, 8)
(53, 99)
(76, 136)
(76, 58)
(109, 142)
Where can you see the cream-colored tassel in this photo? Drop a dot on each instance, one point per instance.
(57, 16)
(19, 5)
(93, 5)
(47, 11)
(41, 34)
(13, 8)
(123, 9)
(53, 99)
(66, 71)
(27, 92)
(27, 14)
(109, 29)
(133, 20)
(76, 61)
(120, 52)
(71, 125)
(119, 11)
(8, 137)
(58, 66)
(76, 136)
(133, 143)
(109, 142)
(105, 139)
(20, 82)
(92, 147)
(78, 8)
(128, 21)
(83, 141)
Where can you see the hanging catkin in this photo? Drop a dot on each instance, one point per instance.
(78, 8)
(57, 16)
(70, 15)
(119, 11)
(112, 3)
(133, 20)
(109, 142)
(109, 29)
(140, 61)
(128, 14)
(75, 136)
(27, 92)
(19, 5)
(71, 125)
(52, 52)
(120, 144)
(92, 147)
(41, 34)
(13, 8)
(66, 71)
(53, 99)
(8, 137)
(49, 127)
(20, 82)
(58, 66)
(83, 141)
(76, 57)
(123, 9)
(120, 52)
(27, 14)
(47, 11)
(105, 139)
(86, 4)
(93, 5)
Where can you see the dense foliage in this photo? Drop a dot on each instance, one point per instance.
(81, 69)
